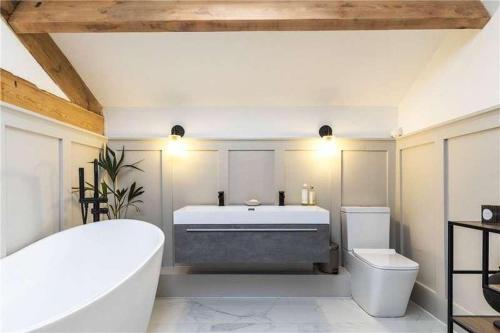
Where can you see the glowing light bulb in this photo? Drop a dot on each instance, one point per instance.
(327, 146)
(176, 145)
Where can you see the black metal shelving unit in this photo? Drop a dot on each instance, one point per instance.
(472, 323)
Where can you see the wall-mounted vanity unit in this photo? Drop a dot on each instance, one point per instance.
(251, 235)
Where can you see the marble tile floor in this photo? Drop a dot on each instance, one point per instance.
(285, 315)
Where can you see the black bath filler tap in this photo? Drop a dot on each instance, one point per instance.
(95, 200)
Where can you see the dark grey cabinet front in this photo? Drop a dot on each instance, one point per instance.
(251, 243)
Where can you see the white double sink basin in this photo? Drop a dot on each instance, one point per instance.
(251, 215)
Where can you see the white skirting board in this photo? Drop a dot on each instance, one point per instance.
(175, 282)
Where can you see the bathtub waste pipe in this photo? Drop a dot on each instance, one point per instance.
(95, 200)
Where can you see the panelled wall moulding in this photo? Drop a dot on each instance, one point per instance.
(210, 166)
(37, 198)
(446, 173)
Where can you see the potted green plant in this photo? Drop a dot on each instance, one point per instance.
(120, 198)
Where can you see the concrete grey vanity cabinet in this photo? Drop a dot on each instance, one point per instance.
(251, 235)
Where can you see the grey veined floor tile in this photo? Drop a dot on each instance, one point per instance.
(285, 315)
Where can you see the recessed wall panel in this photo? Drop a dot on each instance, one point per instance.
(364, 178)
(150, 178)
(419, 201)
(306, 167)
(32, 178)
(473, 180)
(195, 179)
(251, 176)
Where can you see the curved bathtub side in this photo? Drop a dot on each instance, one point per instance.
(126, 308)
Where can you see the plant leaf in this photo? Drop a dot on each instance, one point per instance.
(121, 157)
(134, 166)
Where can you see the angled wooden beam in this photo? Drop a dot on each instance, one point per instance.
(46, 52)
(19, 92)
(145, 16)
(54, 62)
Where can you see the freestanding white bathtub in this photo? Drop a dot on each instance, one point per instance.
(101, 277)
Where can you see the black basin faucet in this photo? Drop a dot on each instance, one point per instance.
(221, 198)
(281, 198)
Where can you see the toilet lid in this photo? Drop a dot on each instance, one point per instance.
(385, 259)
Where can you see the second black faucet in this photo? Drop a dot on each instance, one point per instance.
(281, 198)
(221, 198)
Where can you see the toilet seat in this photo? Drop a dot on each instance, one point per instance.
(386, 259)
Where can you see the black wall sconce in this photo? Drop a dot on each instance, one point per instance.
(325, 130)
(177, 130)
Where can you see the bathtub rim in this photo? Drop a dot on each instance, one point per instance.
(99, 296)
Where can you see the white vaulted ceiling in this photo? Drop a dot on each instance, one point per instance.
(250, 69)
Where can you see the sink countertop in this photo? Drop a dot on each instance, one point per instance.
(240, 214)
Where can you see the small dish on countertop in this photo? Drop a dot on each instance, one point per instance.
(252, 202)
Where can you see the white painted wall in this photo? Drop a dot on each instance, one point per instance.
(352, 122)
(463, 77)
(16, 59)
(250, 68)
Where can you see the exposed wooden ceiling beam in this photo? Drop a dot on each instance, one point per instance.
(17, 91)
(145, 16)
(54, 62)
(7, 7)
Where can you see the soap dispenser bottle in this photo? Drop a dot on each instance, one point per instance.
(305, 195)
(312, 196)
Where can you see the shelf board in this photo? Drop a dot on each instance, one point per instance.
(482, 324)
(490, 227)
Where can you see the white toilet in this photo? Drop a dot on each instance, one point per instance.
(381, 279)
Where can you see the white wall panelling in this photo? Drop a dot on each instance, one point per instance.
(364, 178)
(251, 176)
(253, 168)
(306, 167)
(446, 173)
(150, 178)
(473, 167)
(418, 177)
(40, 159)
(32, 184)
